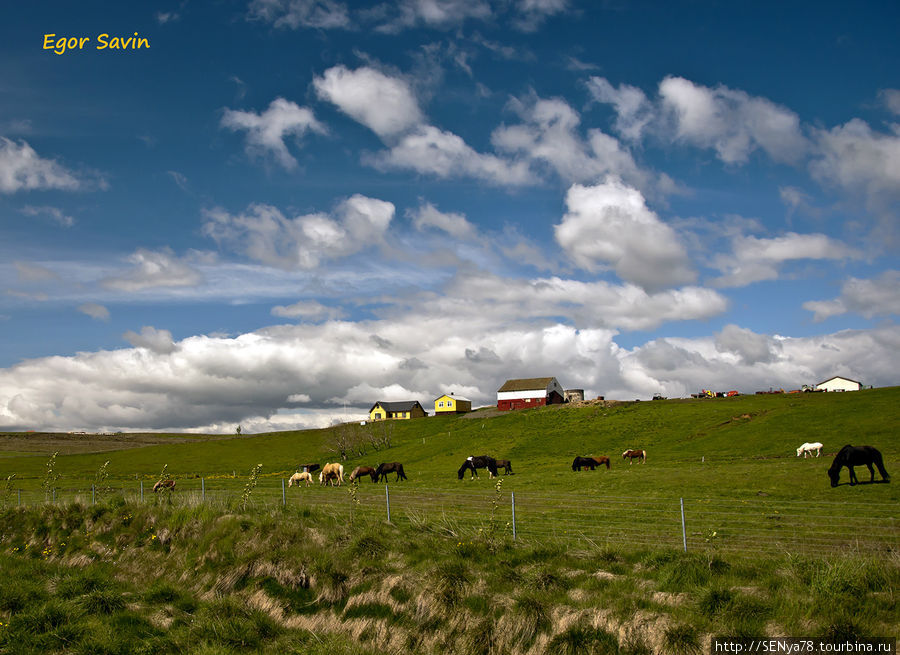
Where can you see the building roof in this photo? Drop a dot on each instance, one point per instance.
(840, 377)
(399, 406)
(525, 384)
(450, 395)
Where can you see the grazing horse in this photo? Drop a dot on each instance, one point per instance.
(333, 473)
(851, 456)
(309, 468)
(589, 462)
(472, 464)
(360, 471)
(632, 454)
(168, 485)
(506, 465)
(392, 467)
(807, 448)
(297, 478)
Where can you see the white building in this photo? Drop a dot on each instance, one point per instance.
(838, 383)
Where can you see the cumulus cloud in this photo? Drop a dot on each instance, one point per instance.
(384, 104)
(95, 311)
(308, 310)
(152, 269)
(428, 216)
(265, 234)
(731, 122)
(756, 259)
(862, 162)
(610, 225)
(157, 341)
(443, 154)
(891, 99)
(634, 112)
(266, 132)
(22, 169)
(549, 136)
(317, 14)
(875, 297)
(746, 345)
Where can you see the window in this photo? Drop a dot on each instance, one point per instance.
(441, 404)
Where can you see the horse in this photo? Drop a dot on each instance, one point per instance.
(506, 465)
(164, 485)
(332, 473)
(360, 471)
(472, 464)
(297, 478)
(807, 448)
(589, 462)
(309, 468)
(632, 454)
(851, 456)
(393, 467)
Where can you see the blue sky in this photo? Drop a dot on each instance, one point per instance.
(285, 210)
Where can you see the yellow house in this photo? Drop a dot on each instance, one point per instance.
(452, 405)
(382, 411)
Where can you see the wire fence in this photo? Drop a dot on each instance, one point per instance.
(693, 524)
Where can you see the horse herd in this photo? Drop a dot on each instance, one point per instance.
(333, 474)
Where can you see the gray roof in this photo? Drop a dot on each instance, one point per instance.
(525, 384)
(399, 406)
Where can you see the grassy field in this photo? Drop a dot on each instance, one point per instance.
(596, 567)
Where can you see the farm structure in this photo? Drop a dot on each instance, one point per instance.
(838, 383)
(450, 404)
(404, 409)
(529, 392)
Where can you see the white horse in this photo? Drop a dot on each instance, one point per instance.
(807, 448)
(297, 478)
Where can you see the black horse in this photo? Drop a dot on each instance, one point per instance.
(851, 456)
(309, 468)
(393, 467)
(472, 464)
(590, 462)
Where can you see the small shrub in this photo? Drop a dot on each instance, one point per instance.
(681, 639)
(582, 639)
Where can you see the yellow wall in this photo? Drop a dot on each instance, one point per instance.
(378, 413)
(452, 404)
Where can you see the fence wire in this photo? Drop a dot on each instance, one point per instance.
(737, 526)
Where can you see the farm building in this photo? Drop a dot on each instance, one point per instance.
(530, 392)
(450, 404)
(404, 409)
(838, 383)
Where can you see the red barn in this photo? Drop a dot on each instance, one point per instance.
(531, 392)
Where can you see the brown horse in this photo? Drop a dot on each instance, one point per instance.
(168, 485)
(635, 454)
(603, 459)
(390, 467)
(360, 471)
(506, 465)
(589, 462)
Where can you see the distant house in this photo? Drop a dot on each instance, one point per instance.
(452, 405)
(838, 383)
(404, 409)
(529, 392)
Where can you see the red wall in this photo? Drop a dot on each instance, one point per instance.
(520, 403)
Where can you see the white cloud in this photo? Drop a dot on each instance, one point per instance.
(862, 162)
(609, 225)
(891, 99)
(428, 216)
(532, 13)
(28, 272)
(22, 169)
(266, 131)
(95, 311)
(634, 112)
(437, 14)
(53, 212)
(154, 269)
(432, 151)
(157, 341)
(309, 310)
(384, 104)
(749, 347)
(731, 122)
(317, 14)
(266, 235)
(754, 259)
(875, 297)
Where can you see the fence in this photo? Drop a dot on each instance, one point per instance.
(738, 526)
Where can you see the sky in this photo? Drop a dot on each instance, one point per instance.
(274, 213)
